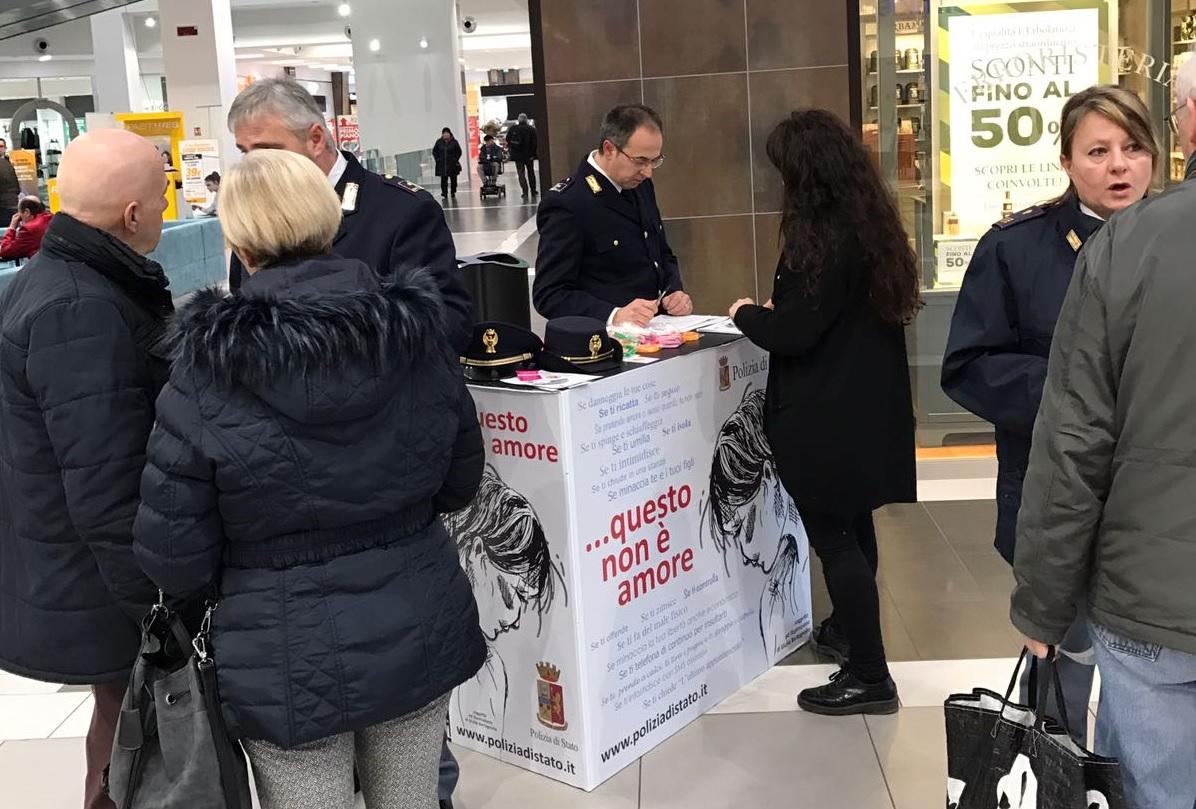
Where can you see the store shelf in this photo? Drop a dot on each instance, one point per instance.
(903, 106)
(916, 71)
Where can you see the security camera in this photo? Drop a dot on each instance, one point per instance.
(40, 46)
(348, 32)
(469, 24)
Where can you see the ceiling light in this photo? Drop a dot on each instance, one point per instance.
(45, 57)
(344, 10)
(423, 42)
(375, 45)
(151, 22)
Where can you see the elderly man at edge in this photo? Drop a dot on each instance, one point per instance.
(80, 368)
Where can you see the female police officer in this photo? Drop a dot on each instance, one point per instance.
(1001, 331)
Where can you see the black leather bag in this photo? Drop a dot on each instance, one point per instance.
(173, 749)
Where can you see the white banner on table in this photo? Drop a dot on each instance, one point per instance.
(684, 561)
(1011, 74)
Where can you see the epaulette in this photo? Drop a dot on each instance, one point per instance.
(399, 182)
(1020, 216)
(562, 185)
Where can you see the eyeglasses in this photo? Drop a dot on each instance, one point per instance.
(643, 162)
(1173, 118)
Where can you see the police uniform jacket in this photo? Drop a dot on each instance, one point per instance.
(600, 249)
(395, 226)
(1000, 339)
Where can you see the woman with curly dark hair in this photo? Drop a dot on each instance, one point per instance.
(838, 412)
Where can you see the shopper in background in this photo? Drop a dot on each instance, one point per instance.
(524, 146)
(312, 429)
(26, 230)
(447, 154)
(1108, 508)
(996, 360)
(80, 368)
(490, 152)
(10, 186)
(838, 411)
(391, 224)
(212, 183)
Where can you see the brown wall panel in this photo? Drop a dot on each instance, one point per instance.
(684, 37)
(786, 34)
(576, 112)
(774, 95)
(716, 256)
(707, 167)
(590, 40)
(768, 251)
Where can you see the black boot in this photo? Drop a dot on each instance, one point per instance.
(446, 803)
(830, 642)
(848, 694)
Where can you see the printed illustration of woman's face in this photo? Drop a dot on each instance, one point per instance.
(766, 520)
(501, 598)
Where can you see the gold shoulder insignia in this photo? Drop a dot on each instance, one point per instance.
(593, 183)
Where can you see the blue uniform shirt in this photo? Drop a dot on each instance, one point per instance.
(600, 248)
(1001, 331)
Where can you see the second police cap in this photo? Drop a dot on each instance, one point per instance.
(579, 345)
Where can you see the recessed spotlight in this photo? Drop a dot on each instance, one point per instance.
(45, 57)
(344, 10)
(151, 22)
(423, 42)
(375, 45)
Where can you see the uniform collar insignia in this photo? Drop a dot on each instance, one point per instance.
(1074, 240)
(593, 183)
(349, 199)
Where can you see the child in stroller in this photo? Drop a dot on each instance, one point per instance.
(490, 166)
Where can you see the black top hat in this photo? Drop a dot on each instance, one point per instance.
(498, 350)
(579, 345)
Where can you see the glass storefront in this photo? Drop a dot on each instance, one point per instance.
(961, 106)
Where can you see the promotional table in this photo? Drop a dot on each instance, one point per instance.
(634, 558)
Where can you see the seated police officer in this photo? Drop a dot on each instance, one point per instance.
(603, 252)
(389, 223)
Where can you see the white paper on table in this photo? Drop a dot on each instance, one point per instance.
(640, 359)
(554, 381)
(682, 324)
(723, 326)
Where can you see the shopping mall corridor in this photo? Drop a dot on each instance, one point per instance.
(944, 600)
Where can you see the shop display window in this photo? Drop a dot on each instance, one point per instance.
(960, 105)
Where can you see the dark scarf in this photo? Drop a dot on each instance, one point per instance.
(141, 279)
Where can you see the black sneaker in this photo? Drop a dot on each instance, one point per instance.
(847, 694)
(830, 642)
(446, 803)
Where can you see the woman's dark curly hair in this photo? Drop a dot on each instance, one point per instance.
(834, 196)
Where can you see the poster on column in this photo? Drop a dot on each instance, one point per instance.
(1010, 75)
(201, 159)
(693, 563)
(523, 707)
(348, 134)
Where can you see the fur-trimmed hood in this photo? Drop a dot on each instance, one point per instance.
(301, 331)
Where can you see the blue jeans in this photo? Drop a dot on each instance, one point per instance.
(1076, 679)
(1147, 719)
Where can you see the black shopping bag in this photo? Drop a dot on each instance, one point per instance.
(1001, 755)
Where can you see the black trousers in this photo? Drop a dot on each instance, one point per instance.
(846, 546)
(445, 181)
(527, 173)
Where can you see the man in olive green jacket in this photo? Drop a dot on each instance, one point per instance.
(1110, 494)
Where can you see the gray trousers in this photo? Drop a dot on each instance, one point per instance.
(396, 760)
(450, 773)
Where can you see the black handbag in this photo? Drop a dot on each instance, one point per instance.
(1001, 755)
(172, 748)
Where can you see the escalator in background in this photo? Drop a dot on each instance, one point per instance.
(19, 17)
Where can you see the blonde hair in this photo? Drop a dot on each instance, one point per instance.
(277, 205)
(1119, 106)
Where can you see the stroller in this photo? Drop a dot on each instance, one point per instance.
(489, 166)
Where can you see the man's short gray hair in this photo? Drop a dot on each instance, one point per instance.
(1185, 82)
(285, 98)
(523, 117)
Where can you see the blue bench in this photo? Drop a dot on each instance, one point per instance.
(191, 253)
